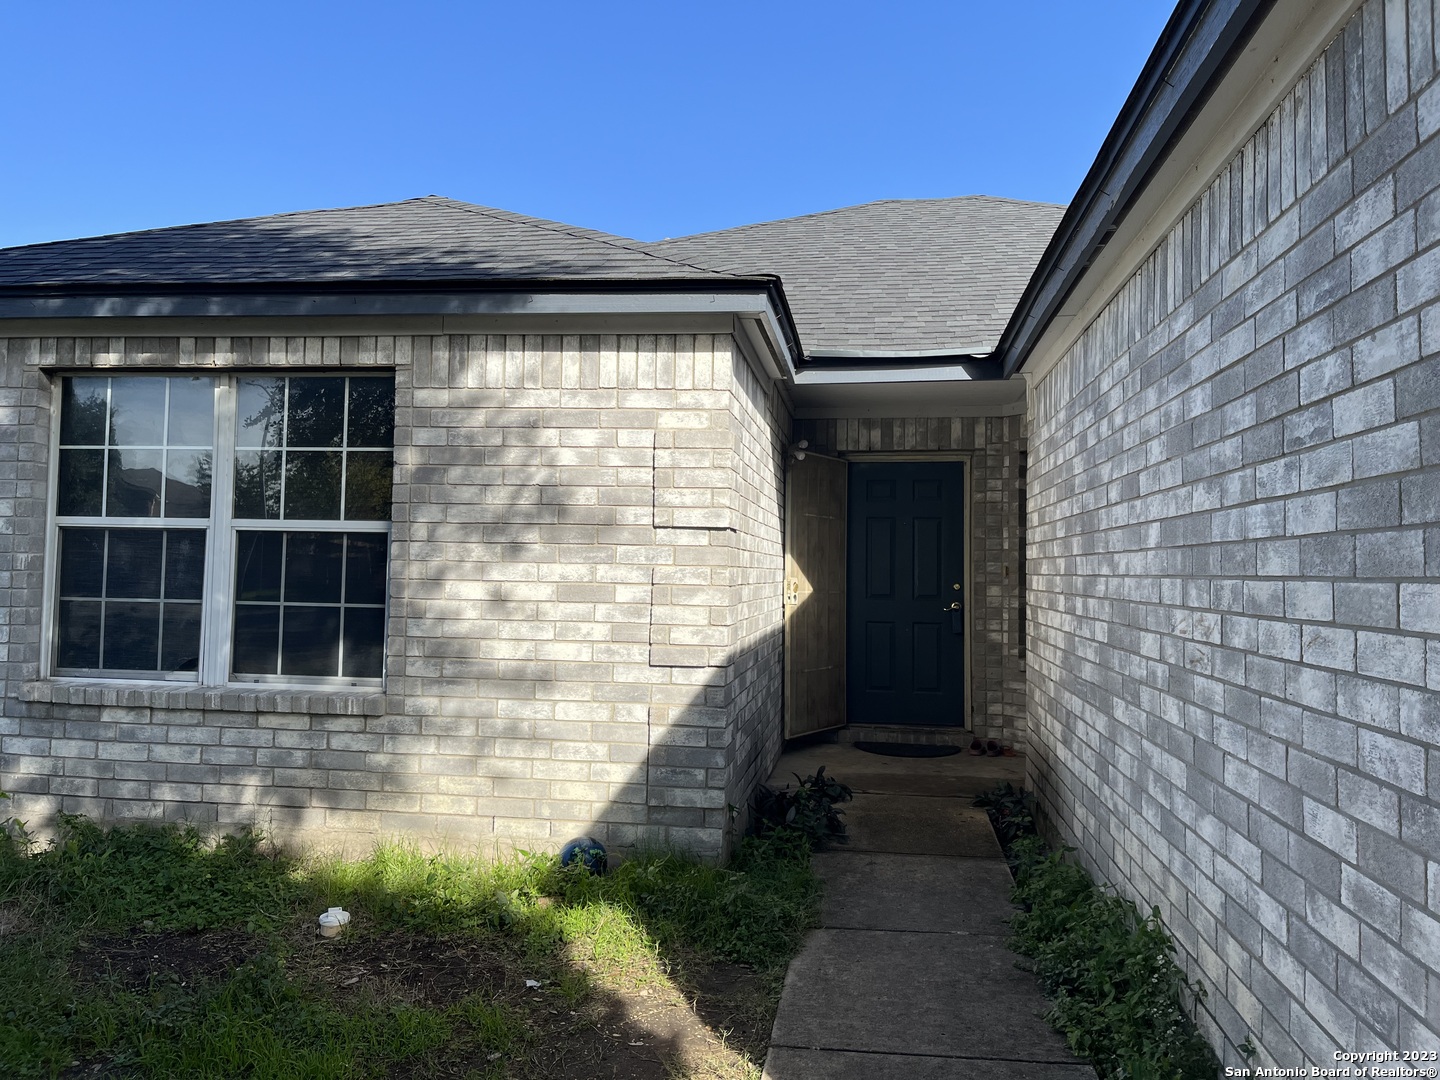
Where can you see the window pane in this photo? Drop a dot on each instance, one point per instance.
(372, 413)
(137, 411)
(187, 483)
(184, 564)
(180, 638)
(260, 412)
(78, 644)
(133, 486)
(82, 474)
(257, 639)
(317, 412)
(192, 412)
(364, 643)
(132, 636)
(312, 484)
(82, 411)
(312, 568)
(257, 484)
(366, 578)
(82, 562)
(258, 561)
(367, 485)
(311, 641)
(132, 564)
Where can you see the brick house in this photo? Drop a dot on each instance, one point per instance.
(433, 518)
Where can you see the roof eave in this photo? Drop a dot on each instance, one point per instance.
(1196, 49)
(756, 297)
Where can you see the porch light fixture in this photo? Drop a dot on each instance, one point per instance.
(797, 450)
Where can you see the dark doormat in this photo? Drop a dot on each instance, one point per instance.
(906, 749)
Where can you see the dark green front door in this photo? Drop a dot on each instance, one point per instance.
(905, 621)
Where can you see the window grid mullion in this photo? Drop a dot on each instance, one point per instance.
(280, 618)
(344, 467)
(104, 593)
(216, 627)
(344, 567)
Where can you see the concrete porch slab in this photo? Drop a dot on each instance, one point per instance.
(875, 891)
(959, 776)
(918, 825)
(930, 995)
(786, 1063)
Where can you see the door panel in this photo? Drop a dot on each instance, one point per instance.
(815, 545)
(907, 555)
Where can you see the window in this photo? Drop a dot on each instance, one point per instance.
(220, 529)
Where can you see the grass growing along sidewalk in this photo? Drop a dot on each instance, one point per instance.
(154, 952)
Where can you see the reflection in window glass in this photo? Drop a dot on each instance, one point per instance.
(260, 412)
(312, 484)
(314, 448)
(136, 462)
(159, 432)
(137, 411)
(325, 624)
(315, 412)
(130, 600)
(371, 416)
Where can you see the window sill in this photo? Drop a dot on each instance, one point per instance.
(164, 695)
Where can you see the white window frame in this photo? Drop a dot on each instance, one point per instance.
(221, 529)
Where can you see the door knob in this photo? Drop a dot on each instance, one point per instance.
(953, 607)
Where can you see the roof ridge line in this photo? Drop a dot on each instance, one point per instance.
(222, 221)
(572, 231)
(843, 209)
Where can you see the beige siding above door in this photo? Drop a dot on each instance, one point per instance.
(814, 595)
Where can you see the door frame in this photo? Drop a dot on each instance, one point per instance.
(967, 582)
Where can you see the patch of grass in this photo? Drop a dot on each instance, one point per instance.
(169, 877)
(1110, 970)
(603, 948)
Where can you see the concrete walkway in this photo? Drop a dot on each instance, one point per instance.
(908, 976)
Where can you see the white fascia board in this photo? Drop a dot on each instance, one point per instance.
(576, 312)
(896, 373)
(1288, 41)
(977, 349)
(440, 302)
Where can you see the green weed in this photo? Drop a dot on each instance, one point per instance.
(165, 877)
(1111, 972)
(263, 1019)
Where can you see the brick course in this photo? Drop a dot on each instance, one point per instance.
(584, 613)
(994, 447)
(1232, 521)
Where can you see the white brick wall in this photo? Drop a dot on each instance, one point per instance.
(1234, 547)
(584, 623)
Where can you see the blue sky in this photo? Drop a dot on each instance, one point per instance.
(644, 119)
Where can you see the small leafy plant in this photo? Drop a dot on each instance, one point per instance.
(1111, 971)
(808, 809)
(1011, 811)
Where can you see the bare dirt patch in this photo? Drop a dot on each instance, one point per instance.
(659, 1029)
(416, 969)
(704, 1021)
(135, 960)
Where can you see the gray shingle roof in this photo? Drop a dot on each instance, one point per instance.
(902, 275)
(899, 276)
(431, 238)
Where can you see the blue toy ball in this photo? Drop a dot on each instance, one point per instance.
(585, 851)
